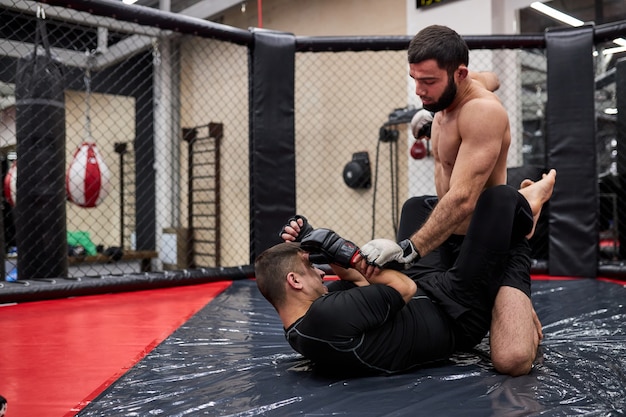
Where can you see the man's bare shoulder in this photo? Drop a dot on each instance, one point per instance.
(477, 91)
(485, 102)
(484, 111)
(477, 95)
(486, 79)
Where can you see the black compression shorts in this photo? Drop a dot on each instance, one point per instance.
(517, 275)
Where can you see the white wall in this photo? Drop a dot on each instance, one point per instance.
(468, 17)
(505, 16)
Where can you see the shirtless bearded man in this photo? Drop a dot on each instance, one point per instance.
(470, 139)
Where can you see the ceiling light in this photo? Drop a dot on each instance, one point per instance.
(616, 50)
(129, 1)
(572, 21)
(555, 14)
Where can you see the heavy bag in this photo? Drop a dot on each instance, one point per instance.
(9, 184)
(40, 214)
(88, 178)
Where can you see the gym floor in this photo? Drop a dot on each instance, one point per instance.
(218, 349)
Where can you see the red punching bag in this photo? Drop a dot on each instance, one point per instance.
(88, 178)
(10, 180)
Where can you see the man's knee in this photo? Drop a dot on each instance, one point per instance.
(514, 362)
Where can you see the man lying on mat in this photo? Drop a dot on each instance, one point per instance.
(375, 320)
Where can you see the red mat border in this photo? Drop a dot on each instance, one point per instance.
(79, 374)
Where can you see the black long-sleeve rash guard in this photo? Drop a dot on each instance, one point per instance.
(370, 329)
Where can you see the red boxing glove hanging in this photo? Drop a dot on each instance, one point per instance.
(88, 177)
(10, 180)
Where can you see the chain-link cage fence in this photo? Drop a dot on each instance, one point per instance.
(155, 126)
(607, 156)
(155, 134)
(361, 108)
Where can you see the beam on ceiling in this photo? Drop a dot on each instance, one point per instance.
(208, 8)
(80, 18)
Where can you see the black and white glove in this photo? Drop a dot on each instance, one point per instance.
(305, 229)
(421, 124)
(326, 246)
(381, 252)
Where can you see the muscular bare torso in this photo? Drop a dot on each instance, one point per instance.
(483, 158)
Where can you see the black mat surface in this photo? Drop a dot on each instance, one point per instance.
(231, 359)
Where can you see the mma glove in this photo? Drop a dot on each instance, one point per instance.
(381, 252)
(326, 246)
(421, 123)
(305, 229)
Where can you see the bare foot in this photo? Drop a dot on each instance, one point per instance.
(537, 193)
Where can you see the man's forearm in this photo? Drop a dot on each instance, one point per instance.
(396, 280)
(351, 275)
(442, 222)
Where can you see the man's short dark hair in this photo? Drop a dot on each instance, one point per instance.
(440, 43)
(272, 266)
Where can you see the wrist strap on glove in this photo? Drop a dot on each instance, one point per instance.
(409, 251)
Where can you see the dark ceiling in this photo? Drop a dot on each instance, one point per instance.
(597, 11)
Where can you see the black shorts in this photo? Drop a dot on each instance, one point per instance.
(493, 253)
(416, 210)
(516, 275)
(467, 294)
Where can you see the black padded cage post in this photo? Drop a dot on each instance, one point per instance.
(620, 90)
(272, 137)
(573, 243)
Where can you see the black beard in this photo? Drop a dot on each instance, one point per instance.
(446, 98)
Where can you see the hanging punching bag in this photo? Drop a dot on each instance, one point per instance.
(88, 177)
(40, 229)
(9, 184)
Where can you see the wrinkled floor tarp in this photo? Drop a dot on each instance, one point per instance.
(231, 359)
